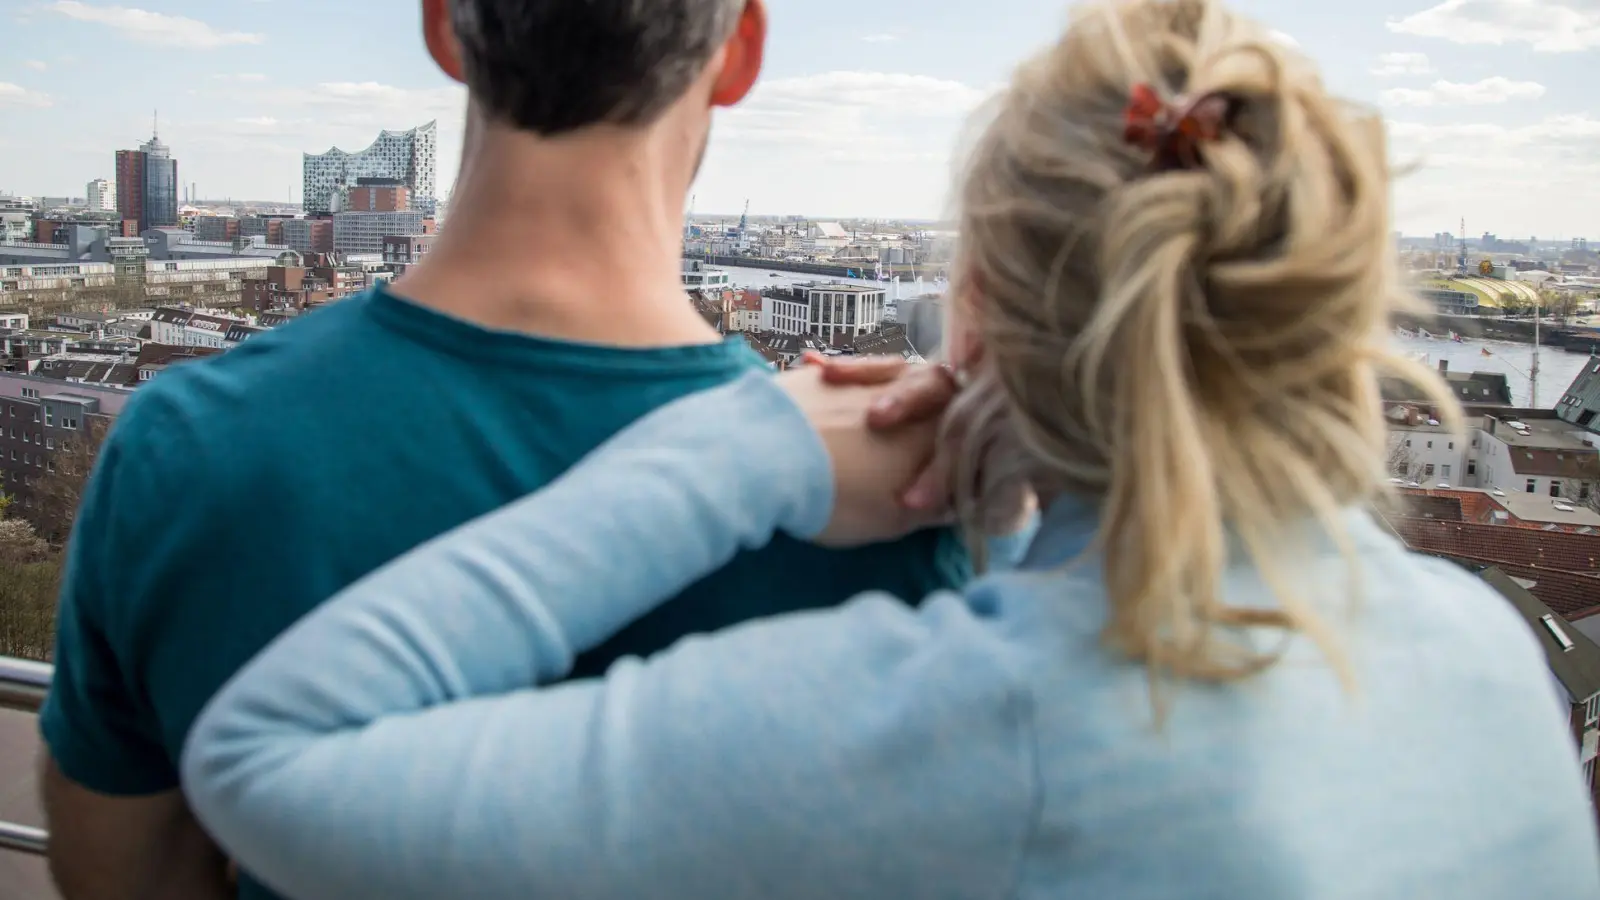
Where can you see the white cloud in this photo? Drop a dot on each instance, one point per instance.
(880, 38)
(37, 65)
(1487, 92)
(871, 117)
(1550, 26)
(154, 28)
(1391, 64)
(1532, 179)
(1556, 150)
(15, 95)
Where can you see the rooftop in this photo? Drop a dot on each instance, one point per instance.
(837, 287)
(1481, 506)
(1562, 550)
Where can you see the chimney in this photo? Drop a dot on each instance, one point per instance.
(1444, 366)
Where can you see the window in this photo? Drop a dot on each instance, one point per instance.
(69, 423)
(1583, 492)
(1430, 445)
(49, 443)
(1408, 442)
(1427, 471)
(27, 438)
(1555, 488)
(1450, 446)
(49, 416)
(1472, 467)
(1533, 485)
(1591, 710)
(27, 459)
(30, 393)
(1444, 472)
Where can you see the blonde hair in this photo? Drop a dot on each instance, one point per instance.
(1197, 350)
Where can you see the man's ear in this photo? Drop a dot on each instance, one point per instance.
(742, 56)
(440, 36)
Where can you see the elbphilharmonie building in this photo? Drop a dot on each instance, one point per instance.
(408, 156)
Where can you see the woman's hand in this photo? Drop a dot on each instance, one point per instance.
(913, 394)
(872, 467)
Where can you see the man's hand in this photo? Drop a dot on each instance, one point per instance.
(909, 395)
(127, 848)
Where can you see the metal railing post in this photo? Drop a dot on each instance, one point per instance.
(23, 684)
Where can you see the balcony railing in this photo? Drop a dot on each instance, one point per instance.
(22, 687)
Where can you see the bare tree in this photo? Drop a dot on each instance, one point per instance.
(1402, 463)
(60, 491)
(30, 578)
(1512, 303)
(1581, 492)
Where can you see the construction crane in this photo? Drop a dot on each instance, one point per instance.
(744, 219)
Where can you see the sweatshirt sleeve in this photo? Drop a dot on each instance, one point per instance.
(405, 740)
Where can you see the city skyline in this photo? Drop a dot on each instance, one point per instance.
(858, 119)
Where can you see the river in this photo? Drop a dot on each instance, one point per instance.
(1557, 367)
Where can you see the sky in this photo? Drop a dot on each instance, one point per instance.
(1490, 102)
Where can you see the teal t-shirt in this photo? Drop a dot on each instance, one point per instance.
(237, 493)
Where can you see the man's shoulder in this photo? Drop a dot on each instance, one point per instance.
(224, 391)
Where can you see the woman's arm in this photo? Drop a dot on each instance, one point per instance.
(395, 743)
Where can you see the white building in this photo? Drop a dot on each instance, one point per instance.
(824, 310)
(102, 196)
(363, 232)
(410, 156)
(697, 276)
(1510, 451)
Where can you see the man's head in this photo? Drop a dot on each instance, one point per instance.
(551, 67)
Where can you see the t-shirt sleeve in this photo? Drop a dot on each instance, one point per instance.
(95, 720)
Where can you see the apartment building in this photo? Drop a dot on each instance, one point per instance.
(363, 232)
(190, 328)
(37, 417)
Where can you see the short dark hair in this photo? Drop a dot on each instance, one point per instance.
(555, 66)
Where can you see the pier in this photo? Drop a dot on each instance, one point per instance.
(863, 270)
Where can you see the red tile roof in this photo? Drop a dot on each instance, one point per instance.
(1571, 595)
(1530, 547)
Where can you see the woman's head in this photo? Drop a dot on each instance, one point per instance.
(1193, 338)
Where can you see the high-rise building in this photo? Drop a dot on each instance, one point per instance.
(101, 197)
(408, 157)
(130, 186)
(147, 185)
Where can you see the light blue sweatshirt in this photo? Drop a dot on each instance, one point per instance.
(409, 740)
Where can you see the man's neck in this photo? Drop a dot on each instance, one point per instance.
(577, 238)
